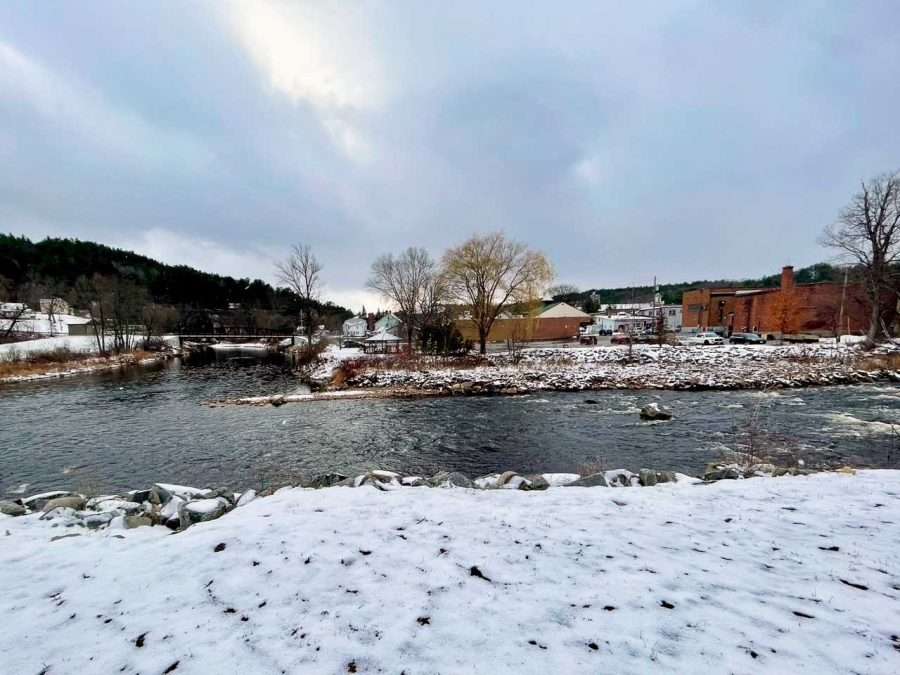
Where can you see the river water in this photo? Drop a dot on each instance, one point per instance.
(120, 430)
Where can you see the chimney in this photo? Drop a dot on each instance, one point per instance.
(787, 277)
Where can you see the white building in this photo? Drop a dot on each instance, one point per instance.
(355, 327)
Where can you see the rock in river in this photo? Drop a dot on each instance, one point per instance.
(12, 509)
(653, 412)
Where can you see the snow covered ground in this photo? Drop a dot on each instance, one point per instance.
(38, 322)
(86, 344)
(782, 575)
(650, 366)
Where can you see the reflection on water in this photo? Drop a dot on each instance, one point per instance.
(119, 430)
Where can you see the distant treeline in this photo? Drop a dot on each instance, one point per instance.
(671, 293)
(53, 267)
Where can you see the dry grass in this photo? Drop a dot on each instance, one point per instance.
(878, 362)
(15, 364)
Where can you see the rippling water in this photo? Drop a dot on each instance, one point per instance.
(122, 430)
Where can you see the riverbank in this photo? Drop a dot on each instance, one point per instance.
(429, 580)
(68, 364)
(346, 374)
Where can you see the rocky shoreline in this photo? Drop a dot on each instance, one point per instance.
(679, 368)
(178, 507)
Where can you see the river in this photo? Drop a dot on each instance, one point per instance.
(118, 430)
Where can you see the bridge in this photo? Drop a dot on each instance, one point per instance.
(238, 336)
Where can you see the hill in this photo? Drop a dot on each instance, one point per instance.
(53, 267)
(671, 293)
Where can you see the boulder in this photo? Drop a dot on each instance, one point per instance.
(95, 521)
(653, 412)
(132, 522)
(165, 491)
(277, 400)
(517, 482)
(326, 480)
(115, 504)
(246, 498)
(141, 496)
(558, 479)
(75, 503)
(505, 477)
(723, 472)
(384, 476)
(647, 477)
(487, 482)
(535, 482)
(225, 493)
(413, 481)
(36, 502)
(450, 479)
(593, 480)
(622, 478)
(201, 510)
(12, 509)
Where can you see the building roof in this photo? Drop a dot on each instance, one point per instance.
(383, 336)
(562, 309)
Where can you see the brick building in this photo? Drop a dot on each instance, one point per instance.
(558, 321)
(788, 309)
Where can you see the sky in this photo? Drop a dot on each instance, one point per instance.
(681, 140)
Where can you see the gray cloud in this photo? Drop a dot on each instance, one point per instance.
(685, 141)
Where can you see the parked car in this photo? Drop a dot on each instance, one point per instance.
(746, 339)
(707, 338)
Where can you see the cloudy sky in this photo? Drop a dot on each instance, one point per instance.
(679, 139)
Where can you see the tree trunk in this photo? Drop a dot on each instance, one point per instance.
(482, 341)
(874, 322)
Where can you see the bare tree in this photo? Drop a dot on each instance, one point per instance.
(300, 273)
(489, 272)
(868, 232)
(563, 291)
(14, 318)
(411, 281)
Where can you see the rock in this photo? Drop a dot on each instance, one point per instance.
(535, 482)
(590, 401)
(326, 480)
(622, 478)
(385, 485)
(559, 479)
(201, 510)
(277, 400)
(141, 496)
(171, 509)
(723, 472)
(653, 412)
(384, 476)
(36, 502)
(95, 521)
(246, 498)
(593, 480)
(450, 479)
(225, 493)
(647, 477)
(487, 482)
(75, 503)
(132, 522)
(12, 509)
(115, 504)
(165, 491)
(517, 482)
(413, 481)
(505, 477)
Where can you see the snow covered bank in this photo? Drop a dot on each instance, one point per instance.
(772, 575)
(649, 367)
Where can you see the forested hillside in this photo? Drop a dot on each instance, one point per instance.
(59, 267)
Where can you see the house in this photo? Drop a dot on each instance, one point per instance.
(55, 306)
(355, 327)
(555, 321)
(388, 324)
(625, 323)
(824, 308)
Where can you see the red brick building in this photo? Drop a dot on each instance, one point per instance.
(789, 309)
